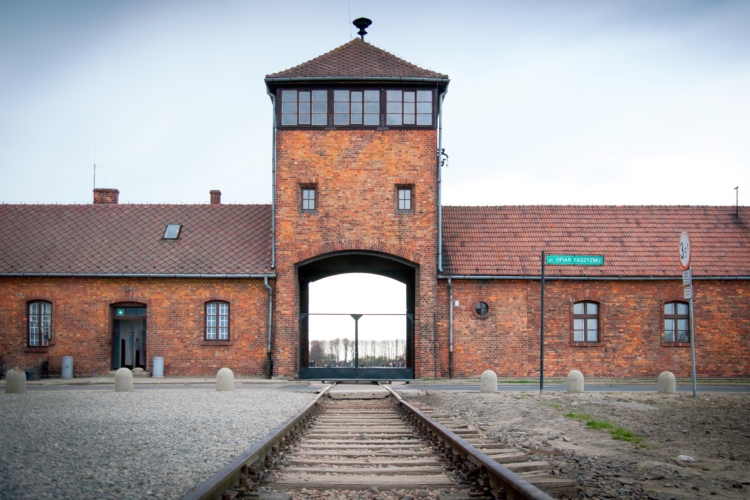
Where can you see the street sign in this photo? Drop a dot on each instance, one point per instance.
(574, 260)
(687, 278)
(688, 292)
(685, 251)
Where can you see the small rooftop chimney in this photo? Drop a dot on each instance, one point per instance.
(104, 196)
(215, 197)
(362, 23)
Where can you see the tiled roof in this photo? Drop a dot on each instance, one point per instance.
(357, 59)
(127, 239)
(634, 240)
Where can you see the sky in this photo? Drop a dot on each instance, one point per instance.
(550, 102)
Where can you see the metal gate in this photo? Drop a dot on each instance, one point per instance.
(357, 347)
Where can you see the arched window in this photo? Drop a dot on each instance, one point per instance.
(586, 322)
(217, 320)
(40, 323)
(676, 322)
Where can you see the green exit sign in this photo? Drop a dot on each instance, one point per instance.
(574, 260)
(121, 311)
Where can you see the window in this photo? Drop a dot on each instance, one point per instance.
(304, 107)
(409, 107)
(356, 107)
(172, 232)
(40, 323)
(481, 309)
(217, 321)
(585, 322)
(308, 198)
(404, 198)
(676, 322)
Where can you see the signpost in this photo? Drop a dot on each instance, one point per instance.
(560, 260)
(687, 283)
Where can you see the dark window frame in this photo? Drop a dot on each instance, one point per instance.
(217, 321)
(586, 316)
(330, 102)
(39, 321)
(476, 310)
(675, 317)
(299, 108)
(303, 199)
(405, 188)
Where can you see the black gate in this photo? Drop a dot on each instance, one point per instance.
(357, 347)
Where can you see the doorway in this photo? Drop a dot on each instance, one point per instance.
(129, 336)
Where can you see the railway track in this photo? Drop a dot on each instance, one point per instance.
(379, 444)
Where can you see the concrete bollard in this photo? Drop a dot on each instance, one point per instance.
(667, 383)
(15, 382)
(575, 381)
(225, 380)
(488, 382)
(123, 380)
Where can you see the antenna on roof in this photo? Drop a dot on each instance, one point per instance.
(737, 202)
(362, 23)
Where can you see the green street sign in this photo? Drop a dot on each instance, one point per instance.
(574, 260)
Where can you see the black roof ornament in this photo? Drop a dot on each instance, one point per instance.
(362, 23)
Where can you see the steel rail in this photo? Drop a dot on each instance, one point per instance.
(215, 486)
(501, 480)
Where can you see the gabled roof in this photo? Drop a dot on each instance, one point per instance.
(127, 239)
(357, 59)
(638, 241)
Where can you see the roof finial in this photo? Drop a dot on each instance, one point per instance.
(362, 23)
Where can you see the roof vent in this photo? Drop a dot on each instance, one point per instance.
(362, 23)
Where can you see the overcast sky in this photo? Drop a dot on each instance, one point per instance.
(564, 102)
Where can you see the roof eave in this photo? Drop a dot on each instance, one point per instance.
(272, 82)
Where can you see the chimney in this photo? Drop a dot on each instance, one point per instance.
(215, 197)
(106, 196)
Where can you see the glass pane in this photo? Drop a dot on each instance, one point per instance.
(356, 119)
(211, 333)
(682, 308)
(394, 95)
(141, 311)
(578, 324)
(356, 107)
(393, 107)
(424, 107)
(304, 97)
(224, 309)
(682, 325)
(289, 107)
(409, 96)
(409, 120)
(372, 95)
(372, 107)
(356, 97)
(393, 120)
(424, 119)
(341, 95)
(593, 336)
(669, 308)
(578, 335)
(34, 308)
(304, 107)
(341, 119)
(304, 119)
(668, 334)
(591, 325)
(578, 308)
(372, 119)
(289, 119)
(409, 107)
(211, 309)
(320, 119)
(591, 308)
(223, 333)
(320, 95)
(46, 308)
(341, 107)
(288, 96)
(424, 96)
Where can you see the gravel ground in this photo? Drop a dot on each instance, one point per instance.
(681, 448)
(160, 444)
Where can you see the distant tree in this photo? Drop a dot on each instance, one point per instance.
(316, 352)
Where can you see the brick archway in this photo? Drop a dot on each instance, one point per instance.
(332, 248)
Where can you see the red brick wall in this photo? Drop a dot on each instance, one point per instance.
(631, 329)
(356, 173)
(82, 324)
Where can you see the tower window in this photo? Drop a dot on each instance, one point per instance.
(308, 198)
(404, 198)
(304, 107)
(356, 107)
(409, 107)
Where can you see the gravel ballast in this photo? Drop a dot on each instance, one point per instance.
(157, 443)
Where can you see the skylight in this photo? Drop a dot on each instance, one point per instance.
(172, 232)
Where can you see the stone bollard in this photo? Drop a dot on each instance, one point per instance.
(575, 381)
(123, 380)
(667, 383)
(15, 382)
(489, 382)
(225, 380)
